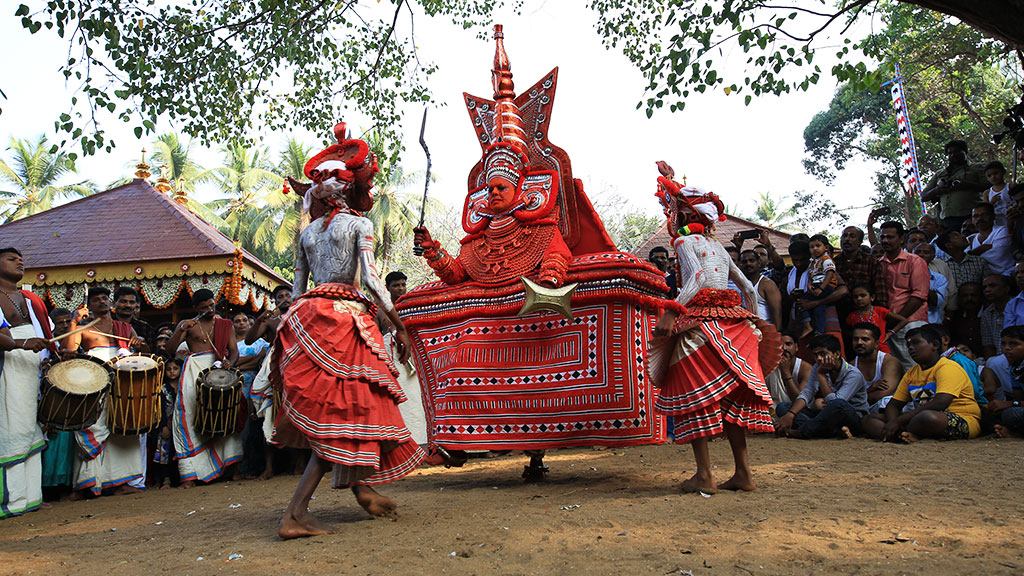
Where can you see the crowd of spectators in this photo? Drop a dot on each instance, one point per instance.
(898, 333)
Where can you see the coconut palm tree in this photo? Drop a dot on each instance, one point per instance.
(170, 151)
(291, 163)
(395, 211)
(249, 183)
(772, 214)
(34, 172)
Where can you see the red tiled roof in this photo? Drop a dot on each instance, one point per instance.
(130, 223)
(723, 231)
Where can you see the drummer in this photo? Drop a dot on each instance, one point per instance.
(104, 460)
(211, 341)
(24, 328)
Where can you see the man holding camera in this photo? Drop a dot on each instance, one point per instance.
(957, 188)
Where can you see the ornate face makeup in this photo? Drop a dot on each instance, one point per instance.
(500, 194)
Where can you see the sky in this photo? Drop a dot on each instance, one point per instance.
(717, 142)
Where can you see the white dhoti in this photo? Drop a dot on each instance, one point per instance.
(412, 409)
(21, 439)
(199, 458)
(103, 459)
(263, 396)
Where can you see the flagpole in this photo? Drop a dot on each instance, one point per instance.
(910, 175)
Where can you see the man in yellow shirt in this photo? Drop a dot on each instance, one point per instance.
(937, 390)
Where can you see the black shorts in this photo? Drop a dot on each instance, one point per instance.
(956, 427)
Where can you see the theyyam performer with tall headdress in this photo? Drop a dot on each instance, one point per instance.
(340, 395)
(709, 360)
(534, 338)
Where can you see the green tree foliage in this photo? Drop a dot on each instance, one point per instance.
(679, 45)
(631, 228)
(222, 70)
(958, 85)
(773, 213)
(33, 174)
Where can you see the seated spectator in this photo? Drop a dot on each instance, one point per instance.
(963, 266)
(865, 311)
(842, 388)
(993, 243)
(881, 371)
(1008, 411)
(786, 381)
(1013, 313)
(944, 405)
(998, 195)
(937, 284)
(968, 364)
(997, 289)
(965, 322)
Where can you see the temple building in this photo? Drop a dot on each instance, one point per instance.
(141, 236)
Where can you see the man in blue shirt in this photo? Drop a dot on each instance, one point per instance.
(843, 392)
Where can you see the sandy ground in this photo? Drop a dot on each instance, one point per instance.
(823, 507)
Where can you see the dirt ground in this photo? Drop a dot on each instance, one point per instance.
(823, 507)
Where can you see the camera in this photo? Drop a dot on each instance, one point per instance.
(882, 211)
(749, 234)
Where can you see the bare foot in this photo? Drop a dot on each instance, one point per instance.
(699, 483)
(739, 481)
(1004, 432)
(126, 489)
(45, 506)
(847, 432)
(77, 495)
(909, 437)
(301, 525)
(372, 502)
(268, 473)
(189, 484)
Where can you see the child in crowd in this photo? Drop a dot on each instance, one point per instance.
(1008, 412)
(999, 194)
(865, 311)
(823, 281)
(163, 455)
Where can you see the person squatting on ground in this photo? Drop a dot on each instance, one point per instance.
(843, 397)
(942, 396)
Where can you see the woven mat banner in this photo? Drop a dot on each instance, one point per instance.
(540, 381)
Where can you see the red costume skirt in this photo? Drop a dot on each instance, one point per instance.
(341, 395)
(713, 374)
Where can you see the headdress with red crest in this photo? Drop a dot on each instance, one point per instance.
(352, 166)
(690, 210)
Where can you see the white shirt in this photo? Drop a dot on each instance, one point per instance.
(1000, 256)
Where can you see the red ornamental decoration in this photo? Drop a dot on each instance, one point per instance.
(90, 273)
(205, 279)
(138, 269)
(185, 267)
(41, 276)
(231, 263)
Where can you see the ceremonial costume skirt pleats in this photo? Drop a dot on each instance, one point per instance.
(713, 376)
(340, 393)
(21, 439)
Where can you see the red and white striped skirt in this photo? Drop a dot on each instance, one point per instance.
(340, 392)
(714, 375)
